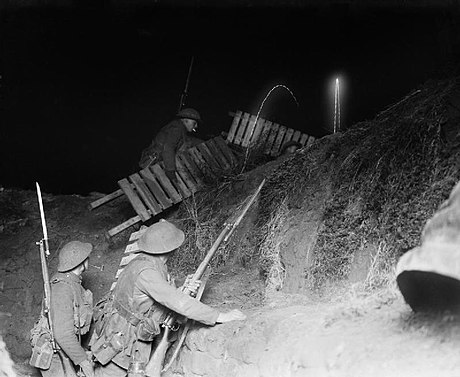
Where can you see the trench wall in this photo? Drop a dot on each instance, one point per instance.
(268, 343)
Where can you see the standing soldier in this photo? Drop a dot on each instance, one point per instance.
(168, 141)
(141, 300)
(71, 312)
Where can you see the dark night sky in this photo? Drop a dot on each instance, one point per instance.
(84, 88)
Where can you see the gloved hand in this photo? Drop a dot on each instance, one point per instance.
(192, 286)
(171, 174)
(87, 368)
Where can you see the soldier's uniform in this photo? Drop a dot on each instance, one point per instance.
(164, 146)
(141, 300)
(71, 308)
(168, 141)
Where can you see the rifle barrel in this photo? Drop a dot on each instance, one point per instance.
(246, 208)
(230, 226)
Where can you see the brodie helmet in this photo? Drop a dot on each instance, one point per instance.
(161, 237)
(189, 113)
(72, 254)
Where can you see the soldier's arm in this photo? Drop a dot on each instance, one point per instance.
(171, 142)
(63, 322)
(152, 283)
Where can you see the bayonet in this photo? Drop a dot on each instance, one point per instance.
(42, 216)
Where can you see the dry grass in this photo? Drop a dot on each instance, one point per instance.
(382, 271)
(270, 259)
(389, 176)
(400, 173)
(202, 217)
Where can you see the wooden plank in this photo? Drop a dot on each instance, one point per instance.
(192, 167)
(234, 126)
(123, 226)
(145, 194)
(185, 175)
(183, 189)
(303, 139)
(257, 132)
(225, 150)
(296, 136)
(105, 199)
(241, 129)
(216, 152)
(155, 188)
(288, 136)
(165, 183)
(125, 260)
(134, 199)
(271, 137)
(278, 141)
(132, 247)
(249, 131)
(200, 162)
(136, 235)
(263, 138)
(310, 141)
(210, 160)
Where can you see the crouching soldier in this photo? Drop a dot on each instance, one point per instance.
(141, 300)
(71, 313)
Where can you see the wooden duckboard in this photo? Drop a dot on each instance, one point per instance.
(130, 253)
(245, 132)
(150, 191)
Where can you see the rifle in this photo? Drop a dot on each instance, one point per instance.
(44, 253)
(183, 96)
(154, 366)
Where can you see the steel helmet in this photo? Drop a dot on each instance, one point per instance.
(161, 237)
(72, 254)
(189, 114)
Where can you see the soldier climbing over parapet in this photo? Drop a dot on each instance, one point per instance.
(168, 140)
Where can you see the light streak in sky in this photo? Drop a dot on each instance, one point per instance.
(337, 106)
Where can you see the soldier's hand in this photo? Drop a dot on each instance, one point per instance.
(233, 315)
(192, 286)
(88, 368)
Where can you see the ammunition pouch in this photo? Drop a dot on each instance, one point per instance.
(147, 329)
(42, 348)
(83, 313)
(104, 350)
(102, 310)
